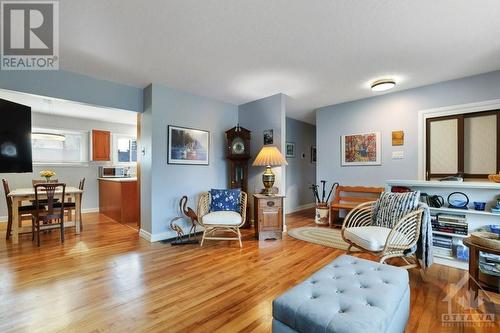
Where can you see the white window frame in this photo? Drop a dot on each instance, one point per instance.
(115, 137)
(85, 146)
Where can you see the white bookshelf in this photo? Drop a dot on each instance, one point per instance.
(476, 191)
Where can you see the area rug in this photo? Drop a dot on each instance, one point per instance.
(318, 235)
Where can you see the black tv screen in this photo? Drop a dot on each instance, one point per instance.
(15, 137)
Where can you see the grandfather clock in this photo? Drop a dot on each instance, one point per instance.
(238, 154)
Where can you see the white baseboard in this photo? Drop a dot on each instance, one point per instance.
(301, 207)
(3, 219)
(155, 237)
(145, 235)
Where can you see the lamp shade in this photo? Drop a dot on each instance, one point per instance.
(269, 156)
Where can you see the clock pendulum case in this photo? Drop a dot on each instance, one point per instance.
(238, 154)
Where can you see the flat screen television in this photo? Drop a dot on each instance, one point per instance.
(15, 137)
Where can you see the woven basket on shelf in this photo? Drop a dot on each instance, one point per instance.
(486, 239)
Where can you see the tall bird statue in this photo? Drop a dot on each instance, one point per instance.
(188, 212)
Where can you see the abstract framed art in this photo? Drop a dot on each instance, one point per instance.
(188, 146)
(361, 149)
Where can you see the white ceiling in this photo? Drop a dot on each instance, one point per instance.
(318, 52)
(59, 107)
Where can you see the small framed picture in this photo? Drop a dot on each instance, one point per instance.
(290, 149)
(188, 146)
(268, 137)
(313, 154)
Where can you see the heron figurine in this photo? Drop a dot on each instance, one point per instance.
(188, 212)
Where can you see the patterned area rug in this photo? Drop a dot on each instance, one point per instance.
(323, 236)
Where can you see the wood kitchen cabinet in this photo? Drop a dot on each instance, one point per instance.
(268, 216)
(119, 199)
(101, 145)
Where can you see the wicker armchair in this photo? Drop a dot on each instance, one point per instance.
(214, 222)
(358, 232)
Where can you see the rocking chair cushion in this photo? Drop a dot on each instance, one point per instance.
(222, 218)
(371, 238)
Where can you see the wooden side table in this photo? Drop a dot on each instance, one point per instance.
(474, 249)
(268, 216)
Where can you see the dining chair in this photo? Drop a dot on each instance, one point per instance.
(23, 210)
(71, 206)
(52, 215)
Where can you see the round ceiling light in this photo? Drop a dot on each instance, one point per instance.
(383, 85)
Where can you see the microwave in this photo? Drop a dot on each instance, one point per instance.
(111, 172)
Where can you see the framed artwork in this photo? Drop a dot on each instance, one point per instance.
(188, 146)
(268, 137)
(398, 138)
(290, 149)
(313, 154)
(361, 149)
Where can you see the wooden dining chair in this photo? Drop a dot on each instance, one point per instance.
(52, 215)
(23, 210)
(71, 206)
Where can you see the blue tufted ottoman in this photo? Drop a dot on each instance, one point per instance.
(348, 295)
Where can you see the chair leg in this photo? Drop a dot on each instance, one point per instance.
(62, 231)
(239, 236)
(9, 227)
(38, 233)
(203, 237)
(32, 229)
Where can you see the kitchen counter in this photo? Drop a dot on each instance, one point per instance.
(119, 199)
(119, 179)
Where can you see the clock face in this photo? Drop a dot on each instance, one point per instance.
(238, 146)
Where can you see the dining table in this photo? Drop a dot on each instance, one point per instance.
(28, 194)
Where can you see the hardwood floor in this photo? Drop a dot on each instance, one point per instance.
(109, 280)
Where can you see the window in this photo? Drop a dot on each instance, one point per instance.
(125, 149)
(72, 150)
(465, 144)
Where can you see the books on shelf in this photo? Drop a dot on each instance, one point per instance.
(450, 223)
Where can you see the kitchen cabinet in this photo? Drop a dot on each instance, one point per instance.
(119, 199)
(101, 145)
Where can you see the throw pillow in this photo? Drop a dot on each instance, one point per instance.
(392, 207)
(225, 200)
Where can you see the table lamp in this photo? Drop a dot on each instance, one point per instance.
(269, 156)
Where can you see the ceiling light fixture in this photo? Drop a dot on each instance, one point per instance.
(47, 136)
(383, 85)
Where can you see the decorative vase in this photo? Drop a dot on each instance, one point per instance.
(47, 179)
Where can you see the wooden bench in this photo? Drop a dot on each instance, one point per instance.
(348, 197)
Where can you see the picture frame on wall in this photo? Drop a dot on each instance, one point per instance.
(188, 146)
(290, 149)
(268, 137)
(313, 154)
(361, 149)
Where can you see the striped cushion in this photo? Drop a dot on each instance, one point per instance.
(392, 207)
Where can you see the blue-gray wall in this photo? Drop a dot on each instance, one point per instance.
(300, 172)
(387, 113)
(257, 116)
(168, 183)
(74, 87)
